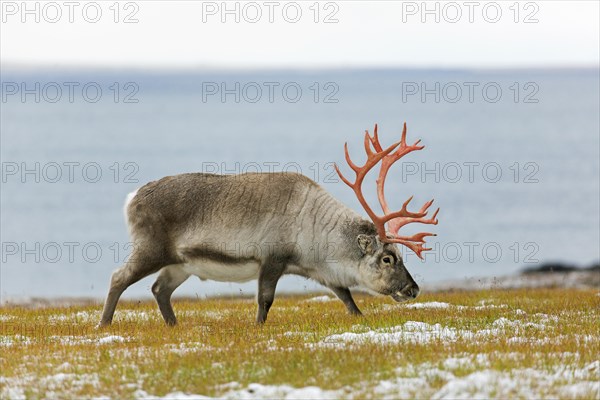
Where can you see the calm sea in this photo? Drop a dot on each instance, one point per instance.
(511, 157)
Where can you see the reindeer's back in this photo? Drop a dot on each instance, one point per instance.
(212, 206)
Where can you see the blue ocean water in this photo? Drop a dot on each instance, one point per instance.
(511, 157)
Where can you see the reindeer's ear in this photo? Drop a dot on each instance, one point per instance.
(366, 243)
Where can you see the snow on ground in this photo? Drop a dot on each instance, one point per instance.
(80, 316)
(110, 339)
(8, 341)
(440, 381)
(190, 347)
(202, 315)
(414, 381)
(257, 391)
(143, 395)
(319, 299)
(423, 382)
(525, 383)
(483, 305)
(422, 332)
(6, 318)
(443, 380)
(16, 388)
(411, 331)
(430, 304)
(67, 340)
(76, 340)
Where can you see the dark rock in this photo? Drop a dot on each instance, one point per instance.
(557, 267)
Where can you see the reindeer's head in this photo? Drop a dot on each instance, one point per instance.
(381, 267)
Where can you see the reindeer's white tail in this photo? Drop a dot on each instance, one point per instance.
(128, 199)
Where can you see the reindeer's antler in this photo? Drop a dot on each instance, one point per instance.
(361, 172)
(397, 219)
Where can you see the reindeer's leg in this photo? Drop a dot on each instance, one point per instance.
(168, 280)
(270, 272)
(139, 266)
(344, 295)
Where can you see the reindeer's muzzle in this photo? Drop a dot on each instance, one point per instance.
(408, 292)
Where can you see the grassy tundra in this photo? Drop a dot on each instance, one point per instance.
(521, 344)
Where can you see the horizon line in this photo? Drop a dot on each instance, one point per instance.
(4, 66)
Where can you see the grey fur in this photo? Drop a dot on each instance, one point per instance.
(257, 225)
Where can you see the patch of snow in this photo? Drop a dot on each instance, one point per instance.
(134, 316)
(111, 339)
(484, 307)
(454, 363)
(142, 395)
(400, 388)
(258, 391)
(14, 393)
(545, 318)
(59, 385)
(12, 340)
(524, 383)
(411, 331)
(529, 340)
(255, 391)
(6, 318)
(437, 304)
(505, 322)
(63, 366)
(80, 316)
(213, 314)
(421, 381)
(422, 332)
(192, 347)
(77, 340)
(319, 299)
(430, 304)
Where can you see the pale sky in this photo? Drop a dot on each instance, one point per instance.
(190, 34)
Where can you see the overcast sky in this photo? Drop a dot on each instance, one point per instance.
(358, 33)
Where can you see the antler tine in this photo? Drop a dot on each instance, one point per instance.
(375, 140)
(415, 242)
(404, 134)
(346, 181)
(354, 167)
(396, 223)
(367, 143)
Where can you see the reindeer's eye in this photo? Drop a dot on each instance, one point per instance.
(387, 260)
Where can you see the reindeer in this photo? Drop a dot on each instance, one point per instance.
(179, 224)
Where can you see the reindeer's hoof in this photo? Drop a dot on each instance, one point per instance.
(103, 325)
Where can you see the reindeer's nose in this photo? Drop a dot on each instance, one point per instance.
(411, 291)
